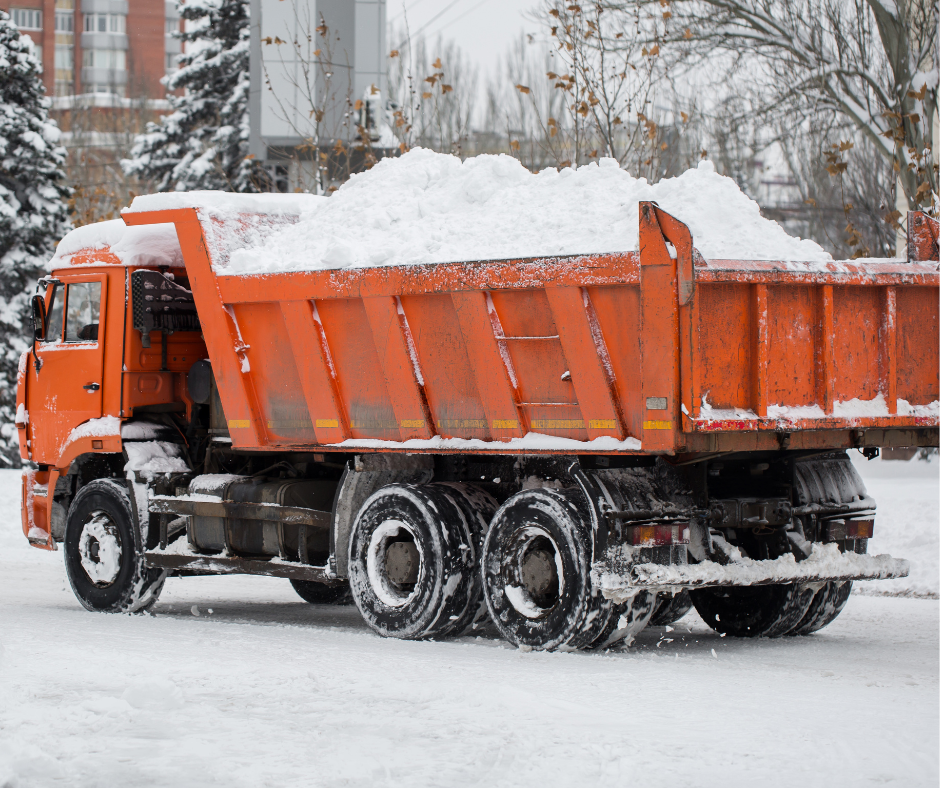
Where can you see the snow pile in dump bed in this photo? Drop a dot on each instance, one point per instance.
(427, 207)
(149, 244)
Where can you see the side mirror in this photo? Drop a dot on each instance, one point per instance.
(39, 317)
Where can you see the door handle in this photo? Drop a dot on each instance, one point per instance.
(91, 387)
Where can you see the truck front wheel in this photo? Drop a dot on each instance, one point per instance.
(103, 552)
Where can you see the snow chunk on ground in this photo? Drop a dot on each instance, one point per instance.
(427, 207)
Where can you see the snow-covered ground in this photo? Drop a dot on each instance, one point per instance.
(266, 690)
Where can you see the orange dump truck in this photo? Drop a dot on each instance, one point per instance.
(569, 447)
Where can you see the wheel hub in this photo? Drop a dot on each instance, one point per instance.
(393, 563)
(99, 547)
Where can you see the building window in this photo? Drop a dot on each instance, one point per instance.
(64, 58)
(172, 26)
(105, 23)
(114, 59)
(64, 22)
(171, 62)
(27, 18)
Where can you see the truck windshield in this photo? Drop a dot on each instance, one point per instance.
(54, 320)
(81, 312)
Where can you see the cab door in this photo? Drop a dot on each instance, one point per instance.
(64, 389)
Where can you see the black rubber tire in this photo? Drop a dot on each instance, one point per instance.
(321, 594)
(478, 508)
(576, 616)
(443, 589)
(135, 587)
(669, 608)
(825, 607)
(753, 611)
(627, 620)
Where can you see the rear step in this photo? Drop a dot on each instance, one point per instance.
(824, 564)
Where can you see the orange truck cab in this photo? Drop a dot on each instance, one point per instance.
(572, 447)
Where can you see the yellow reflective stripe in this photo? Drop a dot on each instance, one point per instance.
(657, 425)
(602, 424)
(239, 424)
(327, 423)
(411, 423)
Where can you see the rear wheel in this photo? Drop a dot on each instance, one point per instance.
(104, 557)
(321, 593)
(411, 562)
(670, 608)
(753, 611)
(825, 607)
(536, 572)
(627, 620)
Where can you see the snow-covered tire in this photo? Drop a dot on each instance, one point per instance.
(670, 608)
(411, 562)
(753, 611)
(321, 593)
(104, 552)
(537, 572)
(826, 606)
(478, 508)
(627, 620)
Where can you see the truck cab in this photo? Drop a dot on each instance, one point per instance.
(93, 367)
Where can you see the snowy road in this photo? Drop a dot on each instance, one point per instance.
(267, 690)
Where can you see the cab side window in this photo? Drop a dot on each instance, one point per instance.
(56, 309)
(82, 307)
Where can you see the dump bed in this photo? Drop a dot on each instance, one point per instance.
(652, 351)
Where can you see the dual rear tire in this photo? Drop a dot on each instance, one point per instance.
(422, 559)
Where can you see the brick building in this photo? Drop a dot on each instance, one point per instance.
(118, 47)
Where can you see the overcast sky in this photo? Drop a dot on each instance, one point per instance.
(484, 29)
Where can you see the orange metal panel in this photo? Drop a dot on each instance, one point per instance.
(856, 323)
(724, 360)
(359, 375)
(918, 337)
(274, 374)
(888, 348)
(317, 377)
(761, 348)
(618, 313)
(399, 360)
(588, 360)
(791, 332)
(825, 363)
(449, 382)
(497, 393)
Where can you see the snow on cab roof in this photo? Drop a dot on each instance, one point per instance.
(149, 244)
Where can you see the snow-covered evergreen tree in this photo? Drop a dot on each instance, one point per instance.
(203, 142)
(33, 213)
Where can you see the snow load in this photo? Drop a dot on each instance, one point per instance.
(426, 207)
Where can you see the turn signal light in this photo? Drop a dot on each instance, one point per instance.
(850, 529)
(657, 535)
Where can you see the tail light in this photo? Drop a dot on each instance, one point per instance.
(837, 530)
(657, 535)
